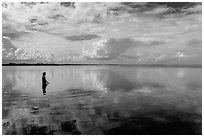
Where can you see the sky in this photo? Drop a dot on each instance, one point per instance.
(121, 32)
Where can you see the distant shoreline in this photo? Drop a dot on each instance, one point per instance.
(136, 65)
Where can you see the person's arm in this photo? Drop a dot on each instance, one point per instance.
(47, 82)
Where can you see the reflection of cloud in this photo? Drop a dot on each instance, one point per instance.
(93, 78)
(106, 78)
(26, 81)
(180, 55)
(112, 80)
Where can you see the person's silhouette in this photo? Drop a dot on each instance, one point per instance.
(44, 83)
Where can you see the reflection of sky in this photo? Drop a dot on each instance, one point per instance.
(92, 78)
(155, 92)
(102, 78)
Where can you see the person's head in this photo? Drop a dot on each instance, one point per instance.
(44, 73)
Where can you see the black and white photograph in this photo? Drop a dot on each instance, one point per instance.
(102, 68)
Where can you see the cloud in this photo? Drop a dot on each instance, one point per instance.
(131, 57)
(177, 5)
(161, 8)
(53, 18)
(12, 35)
(195, 43)
(90, 12)
(21, 53)
(7, 48)
(67, 4)
(156, 31)
(5, 37)
(83, 37)
(12, 53)
(24, 54)
(109, 49)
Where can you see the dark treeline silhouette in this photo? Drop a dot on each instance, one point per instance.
(137, 65)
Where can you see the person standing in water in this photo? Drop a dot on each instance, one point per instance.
(44, 83)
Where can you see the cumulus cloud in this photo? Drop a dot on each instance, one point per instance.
(51, 17)
(91, 12)
(24, 54)
(21, 54)
(12, 53)
(7, 48)
(109, 49)
(156, 31)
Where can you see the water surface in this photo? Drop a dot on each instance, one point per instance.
(102, 100)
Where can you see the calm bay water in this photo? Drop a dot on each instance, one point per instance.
(102, 100)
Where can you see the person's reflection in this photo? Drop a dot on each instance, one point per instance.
(44, 83)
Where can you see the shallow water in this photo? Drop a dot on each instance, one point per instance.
(102, 100)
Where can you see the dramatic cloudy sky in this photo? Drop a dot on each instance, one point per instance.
(134, 33)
